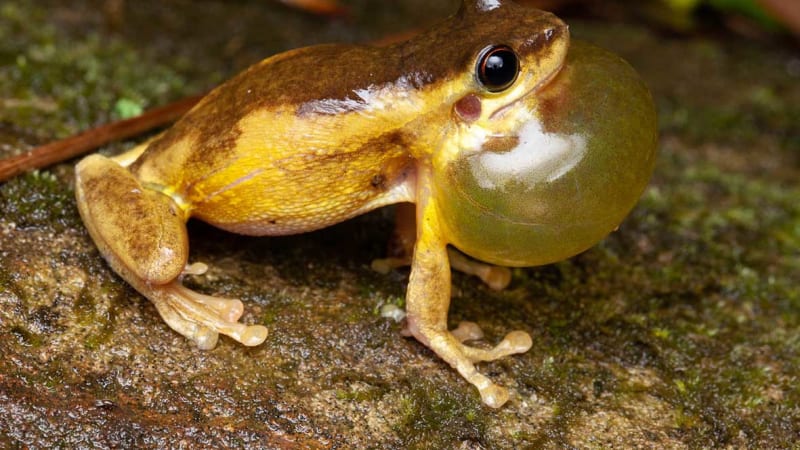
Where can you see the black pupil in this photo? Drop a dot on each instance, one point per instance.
(499, 68)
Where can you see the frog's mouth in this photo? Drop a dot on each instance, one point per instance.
(498, 113)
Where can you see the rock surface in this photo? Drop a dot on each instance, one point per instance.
(678, 331)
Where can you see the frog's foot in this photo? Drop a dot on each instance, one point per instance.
(449, 345)
(386, 265)
(496, 277)
(197, 268)
(201, 318)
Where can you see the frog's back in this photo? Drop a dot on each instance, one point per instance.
(263, 154)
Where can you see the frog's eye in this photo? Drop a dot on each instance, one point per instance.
(498, 67)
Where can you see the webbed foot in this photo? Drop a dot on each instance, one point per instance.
(201, 318)
(450, 346)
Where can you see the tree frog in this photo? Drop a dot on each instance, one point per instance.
(516, 146)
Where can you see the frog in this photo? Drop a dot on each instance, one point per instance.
(502, 141)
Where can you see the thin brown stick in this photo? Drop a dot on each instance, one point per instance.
(330, 8)
(78, 144)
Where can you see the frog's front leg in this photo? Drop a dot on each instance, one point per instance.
(427, 303)
(142, 234)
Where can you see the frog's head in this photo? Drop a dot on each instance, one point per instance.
(487, 55)
(549, 146)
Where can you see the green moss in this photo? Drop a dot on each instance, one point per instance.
(25, 337)
(99, 322)
(436, 416)
(126, 108)
(743, 121)
(38, 199)
(360, 395)
(49, 82)
(728, 289)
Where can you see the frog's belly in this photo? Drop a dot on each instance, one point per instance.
(278, 202)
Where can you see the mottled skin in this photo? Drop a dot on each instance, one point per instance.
(314, 136)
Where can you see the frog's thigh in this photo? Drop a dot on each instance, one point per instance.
(139, 231)
(427, 303)
(142, 235)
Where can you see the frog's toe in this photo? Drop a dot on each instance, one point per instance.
(205, 338)
(515, 342)
(386, 265)
(467, 331)
(202, 317)
(493, 395)
(197, 268)
(496, 277)
(227, 309)
(450, 347)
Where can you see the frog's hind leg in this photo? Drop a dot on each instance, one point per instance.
(142, 234)
(401, 244)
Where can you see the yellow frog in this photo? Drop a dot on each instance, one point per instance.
(517, 148)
